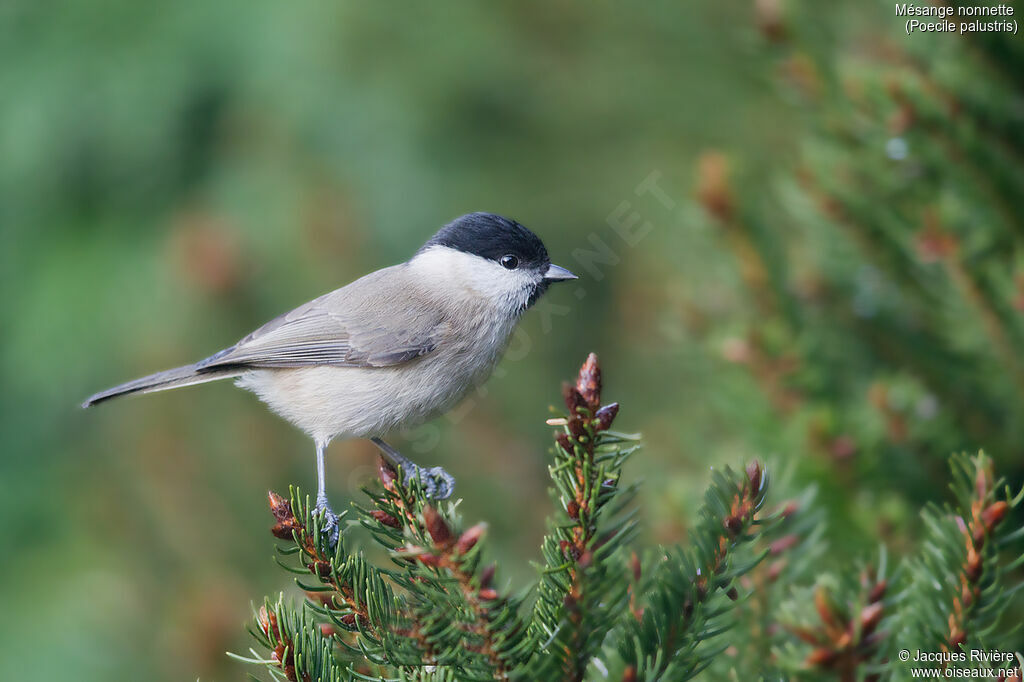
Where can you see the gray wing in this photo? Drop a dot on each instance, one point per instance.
(360, 325)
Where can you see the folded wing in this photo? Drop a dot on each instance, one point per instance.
(334, 331)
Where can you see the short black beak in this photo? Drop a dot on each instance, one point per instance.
(557, 273)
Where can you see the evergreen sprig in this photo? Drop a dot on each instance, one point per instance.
(299, 650)
(582, 589)
(690, 595)
(602, 608)
(439, 610)
(842, 637)
(956, 594)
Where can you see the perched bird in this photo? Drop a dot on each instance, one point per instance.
(390, 350)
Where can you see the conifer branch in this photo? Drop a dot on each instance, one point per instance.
(794, 547)
(603, 609)
(956, 596)
(318, 560)
(581, 589)
(683, 608)
(846, 637)
(496, 627)
(299, 651)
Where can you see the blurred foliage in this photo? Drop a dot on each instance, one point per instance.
(832, 278)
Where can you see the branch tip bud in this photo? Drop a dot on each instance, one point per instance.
(469, 539)
(588, 383)
(439, 531)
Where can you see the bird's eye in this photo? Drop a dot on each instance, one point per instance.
(509, 262)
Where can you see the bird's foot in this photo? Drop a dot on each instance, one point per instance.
(437, 483)
(329, 521)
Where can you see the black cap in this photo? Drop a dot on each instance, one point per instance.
(492, 236)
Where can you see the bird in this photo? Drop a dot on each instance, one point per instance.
(389, 351)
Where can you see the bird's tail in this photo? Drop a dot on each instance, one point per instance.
(161, 381)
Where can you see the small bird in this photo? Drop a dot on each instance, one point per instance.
(392, 349)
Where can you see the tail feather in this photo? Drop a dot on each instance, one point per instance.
(162, 381)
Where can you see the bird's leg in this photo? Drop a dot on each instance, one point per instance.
(330, 519)
(437, 483)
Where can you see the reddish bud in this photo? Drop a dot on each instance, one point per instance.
(569, 550)
(585, 559)
(629, 674)
(973, 567)
(487, 575)
(349, 619)
(488, 594)
(994, 514)
(820, 657)
(284, 531)
(564, 442)
(573, 400)
(870, 616)
(956, 638)
(387, 473)
(606, 415)
(844, 640)
(439, 531)
(732, 593)
(327, 630)
(281, 508)
(878, 591)
(428, 559)
(573, 509)
(784, 543)
(967, 596)
(469, 539)
(588, 383)
(387, 519)
(824, 607)
(733, 524)
(978, 535)
(268, 623)
(577, 430)
(754, 475)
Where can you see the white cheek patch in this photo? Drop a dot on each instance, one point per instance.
(474, 276)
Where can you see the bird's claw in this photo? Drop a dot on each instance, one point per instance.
(437, 483)
(329, 523)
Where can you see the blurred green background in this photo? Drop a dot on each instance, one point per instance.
(822, 268)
